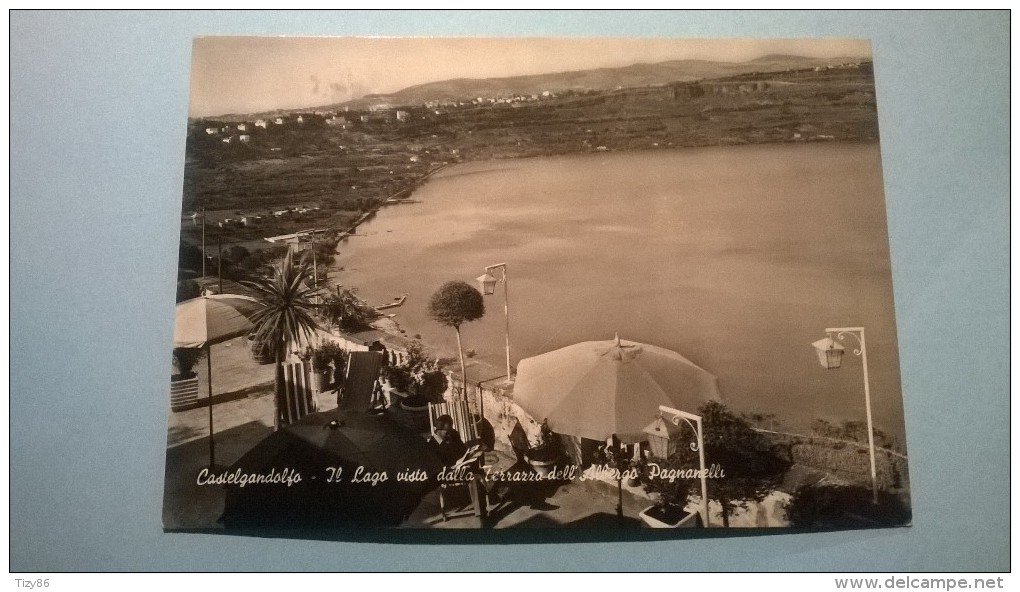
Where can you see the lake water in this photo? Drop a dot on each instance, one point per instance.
(736, 257)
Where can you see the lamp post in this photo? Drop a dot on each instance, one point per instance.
(488, 283)
(662, 442)
(830, 354)
(315, 271)
(203, 242)
(310, 235)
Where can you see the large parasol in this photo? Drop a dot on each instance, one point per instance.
(338, 454)
(597, 389)
(604, 389)
(210, 319)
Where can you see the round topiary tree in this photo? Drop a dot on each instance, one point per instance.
(453, 304)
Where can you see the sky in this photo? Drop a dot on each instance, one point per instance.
(250, 74)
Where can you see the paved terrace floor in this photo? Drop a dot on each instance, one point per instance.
(242, 417)
(241, 423)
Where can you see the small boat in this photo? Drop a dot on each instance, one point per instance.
(396, 302)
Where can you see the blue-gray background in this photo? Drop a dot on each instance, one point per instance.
(98, 105)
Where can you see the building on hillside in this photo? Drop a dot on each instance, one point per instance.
(297, 241)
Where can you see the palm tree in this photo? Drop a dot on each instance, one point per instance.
(287, 317)
(455, 303)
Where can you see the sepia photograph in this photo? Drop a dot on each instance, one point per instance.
(506, 283)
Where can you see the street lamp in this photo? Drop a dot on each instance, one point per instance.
(662, 441)
(830, 354)
(488, 283)
(300, 250)
(203, 241)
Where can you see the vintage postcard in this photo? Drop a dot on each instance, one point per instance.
(534, 283)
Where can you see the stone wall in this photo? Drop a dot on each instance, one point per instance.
(845, 459)
(495, 400)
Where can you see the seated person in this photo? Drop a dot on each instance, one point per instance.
(446, 441)
(454, 453)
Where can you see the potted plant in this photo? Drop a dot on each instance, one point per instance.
(338, 355)
(547, 452)
(669, 510)
(670, 495)
(261, 352)
(669, 517)
(427, 381)
(398, 379)
(321, 369)
(419, 377)
(412, 400)
(184, 380)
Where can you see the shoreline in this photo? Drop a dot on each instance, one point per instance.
(392, 199)
(404, 194)
(482, 368)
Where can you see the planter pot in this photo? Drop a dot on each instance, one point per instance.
(412, 407)
(183, 393)
(652, 517)
(261, 354)
(321, 382)
(418, 415)
(542, 467)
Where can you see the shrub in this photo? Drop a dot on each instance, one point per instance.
(752, 465)
(346, 312)
(185, 359)
(844, 506)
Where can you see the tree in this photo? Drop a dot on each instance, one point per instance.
(189, 258)
(834, 505)
(752, 465)
(453, 304)
(188, 289)
(287, 317)
(346, 312)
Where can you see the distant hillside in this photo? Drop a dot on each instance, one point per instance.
(599, 79)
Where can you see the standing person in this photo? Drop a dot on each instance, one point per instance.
(378, 399)
(339, 394)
